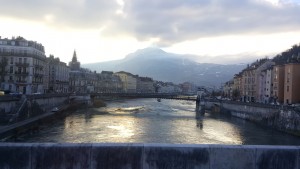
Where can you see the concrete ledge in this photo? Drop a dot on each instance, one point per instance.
(148, 156)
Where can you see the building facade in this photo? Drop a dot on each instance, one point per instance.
(145, 85)
(58, 75)
(25, 66)
(292, 83)
(129, 81)
(278, 83)
(107, 82)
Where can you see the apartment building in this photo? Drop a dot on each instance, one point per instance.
(238, 83)
(145, 85)
(291, 83)
(278, 83)
(129, 81)
(108, 82)
(23, 62)
(228, 89)
(58, 81)
(253, 83)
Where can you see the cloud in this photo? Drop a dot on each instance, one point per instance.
(169, 21)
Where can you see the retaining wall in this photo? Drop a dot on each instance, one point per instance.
(147, 156)
(287, 120)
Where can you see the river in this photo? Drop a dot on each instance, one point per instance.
(149, 121)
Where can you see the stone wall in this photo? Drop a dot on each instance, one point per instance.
(45, 102)
(283, 119)
(147, 156)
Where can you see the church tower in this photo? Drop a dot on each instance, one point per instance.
(74, 64)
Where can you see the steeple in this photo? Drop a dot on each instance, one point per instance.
(74, 59)
(74, 64)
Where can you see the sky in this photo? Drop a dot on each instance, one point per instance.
(103, 30)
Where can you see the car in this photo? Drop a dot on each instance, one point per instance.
(2, 93)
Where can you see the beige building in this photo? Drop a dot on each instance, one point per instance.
(249, 84)
(292, 83)
(238, 84)
(129, 81)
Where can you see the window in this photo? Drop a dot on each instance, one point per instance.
(287, 88)
(11, 69)
(25, 60)
(20, 60)
(11, 60)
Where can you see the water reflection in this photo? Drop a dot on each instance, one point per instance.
(199, 123)
(149, 121)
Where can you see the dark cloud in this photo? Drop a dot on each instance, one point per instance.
(171, 21)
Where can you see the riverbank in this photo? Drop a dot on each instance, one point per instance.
(280, 118)
(33, 123)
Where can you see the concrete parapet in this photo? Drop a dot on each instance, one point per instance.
(148, 156)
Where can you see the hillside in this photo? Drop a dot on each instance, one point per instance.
(160, 65)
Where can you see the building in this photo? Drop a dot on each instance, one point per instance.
(58, 75)
(24, 63)
(81, 80)
(188, 88)
(266, 85)
(253, 83)
(228, 89)
(237, 85)
(107, 82)
(278, 83)
(145, 85)
(74, 64)
(292, 83)
(248, 84)
(167, 87)
(129, 81)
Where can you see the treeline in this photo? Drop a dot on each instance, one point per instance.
(291, 55)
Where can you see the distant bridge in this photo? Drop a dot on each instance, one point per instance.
(173, 96)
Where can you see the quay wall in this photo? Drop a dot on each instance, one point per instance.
(147, 156)
(45, 102)
(281, 118)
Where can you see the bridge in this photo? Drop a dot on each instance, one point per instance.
(143, 155)
(172, 96)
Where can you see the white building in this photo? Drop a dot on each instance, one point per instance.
(24, 64)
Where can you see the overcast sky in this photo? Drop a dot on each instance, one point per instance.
(102, 30)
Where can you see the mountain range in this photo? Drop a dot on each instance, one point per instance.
(169, 67)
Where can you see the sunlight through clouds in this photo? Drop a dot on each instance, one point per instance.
(108, 30)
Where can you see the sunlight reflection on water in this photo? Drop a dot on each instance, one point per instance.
(149, 121)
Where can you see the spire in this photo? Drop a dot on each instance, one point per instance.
(74, 59)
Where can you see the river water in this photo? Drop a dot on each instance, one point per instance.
(149, 121)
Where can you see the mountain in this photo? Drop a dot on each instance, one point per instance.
(163, 66)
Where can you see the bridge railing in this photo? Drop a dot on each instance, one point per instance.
(154, 156)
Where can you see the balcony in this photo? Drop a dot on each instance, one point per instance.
(21, 73)
(23, 55)
(38, 75)
(21, 81)
(19, 64)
